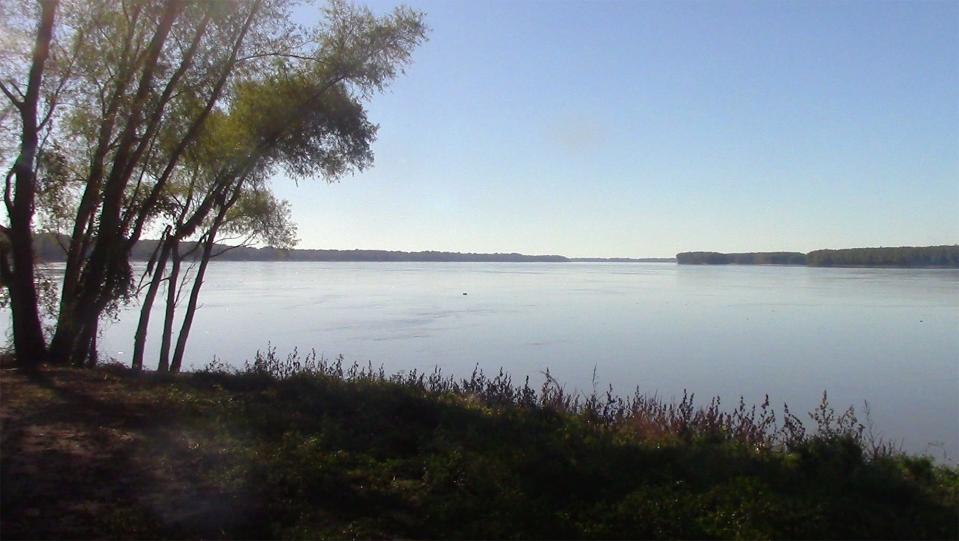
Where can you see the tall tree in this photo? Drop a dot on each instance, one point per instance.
(156, 67)
(142, 84)
(147, 78)
(16, 254)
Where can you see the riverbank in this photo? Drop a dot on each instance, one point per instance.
(297, 448)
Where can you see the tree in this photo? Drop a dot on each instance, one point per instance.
(16, 250)
(148, 81)
(173, 59)
(270, 125)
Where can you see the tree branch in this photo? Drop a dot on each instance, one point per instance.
(277, 54)
(16, 103)
(244, 244)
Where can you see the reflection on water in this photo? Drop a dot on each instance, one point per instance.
(889, 336)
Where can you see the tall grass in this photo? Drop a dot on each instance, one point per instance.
(640, 416)
(300, 446)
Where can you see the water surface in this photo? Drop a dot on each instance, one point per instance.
(886, 336)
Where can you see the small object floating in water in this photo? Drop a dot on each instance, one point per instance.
(464, 293)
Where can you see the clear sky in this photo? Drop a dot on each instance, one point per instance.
(648, 128)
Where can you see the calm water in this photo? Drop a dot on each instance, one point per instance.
(886, 336)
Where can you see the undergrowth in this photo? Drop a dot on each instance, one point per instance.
(639, 416)
(309, 448)
(360, 452)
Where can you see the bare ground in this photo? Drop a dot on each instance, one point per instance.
(81, 454)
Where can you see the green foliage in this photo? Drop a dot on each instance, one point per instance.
(260, 217)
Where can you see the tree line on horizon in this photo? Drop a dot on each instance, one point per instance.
(751, 258)
(169, 118)
(49, 249)
(902, 256)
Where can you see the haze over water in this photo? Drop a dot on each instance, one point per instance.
(886, 336)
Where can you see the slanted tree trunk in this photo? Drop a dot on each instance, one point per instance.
(192, 303)
(140, 338)
(208, 243)
(17, 267)
(171, 295)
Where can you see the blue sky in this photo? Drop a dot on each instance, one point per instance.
(649, 128)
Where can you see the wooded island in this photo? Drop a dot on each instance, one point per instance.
(903, 256)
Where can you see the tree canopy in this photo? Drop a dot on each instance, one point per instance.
(171, 117)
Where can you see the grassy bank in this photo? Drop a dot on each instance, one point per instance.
(302, 449)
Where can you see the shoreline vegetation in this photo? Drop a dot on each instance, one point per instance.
(49, 249)
(945, 256)
(300, 447)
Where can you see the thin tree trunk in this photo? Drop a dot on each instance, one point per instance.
(192, 132)
(198, 280)
(172, 286)
(140, 338)
(191, 305)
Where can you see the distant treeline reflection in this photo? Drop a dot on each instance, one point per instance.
(903, 256)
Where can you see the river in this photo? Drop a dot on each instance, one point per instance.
(889, 337)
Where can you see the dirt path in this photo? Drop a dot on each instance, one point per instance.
(81, 455)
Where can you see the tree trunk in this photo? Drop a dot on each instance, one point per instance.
(191, 305)
(66, 330)
(82, 346)
(28, 339)
(101, 275)
(171, 294)
(63, 337)
(140, 338)
(92, 353)
(18, 265)
(198, 280)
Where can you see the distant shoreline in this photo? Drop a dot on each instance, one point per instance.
(944, 256)
(49, 248)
